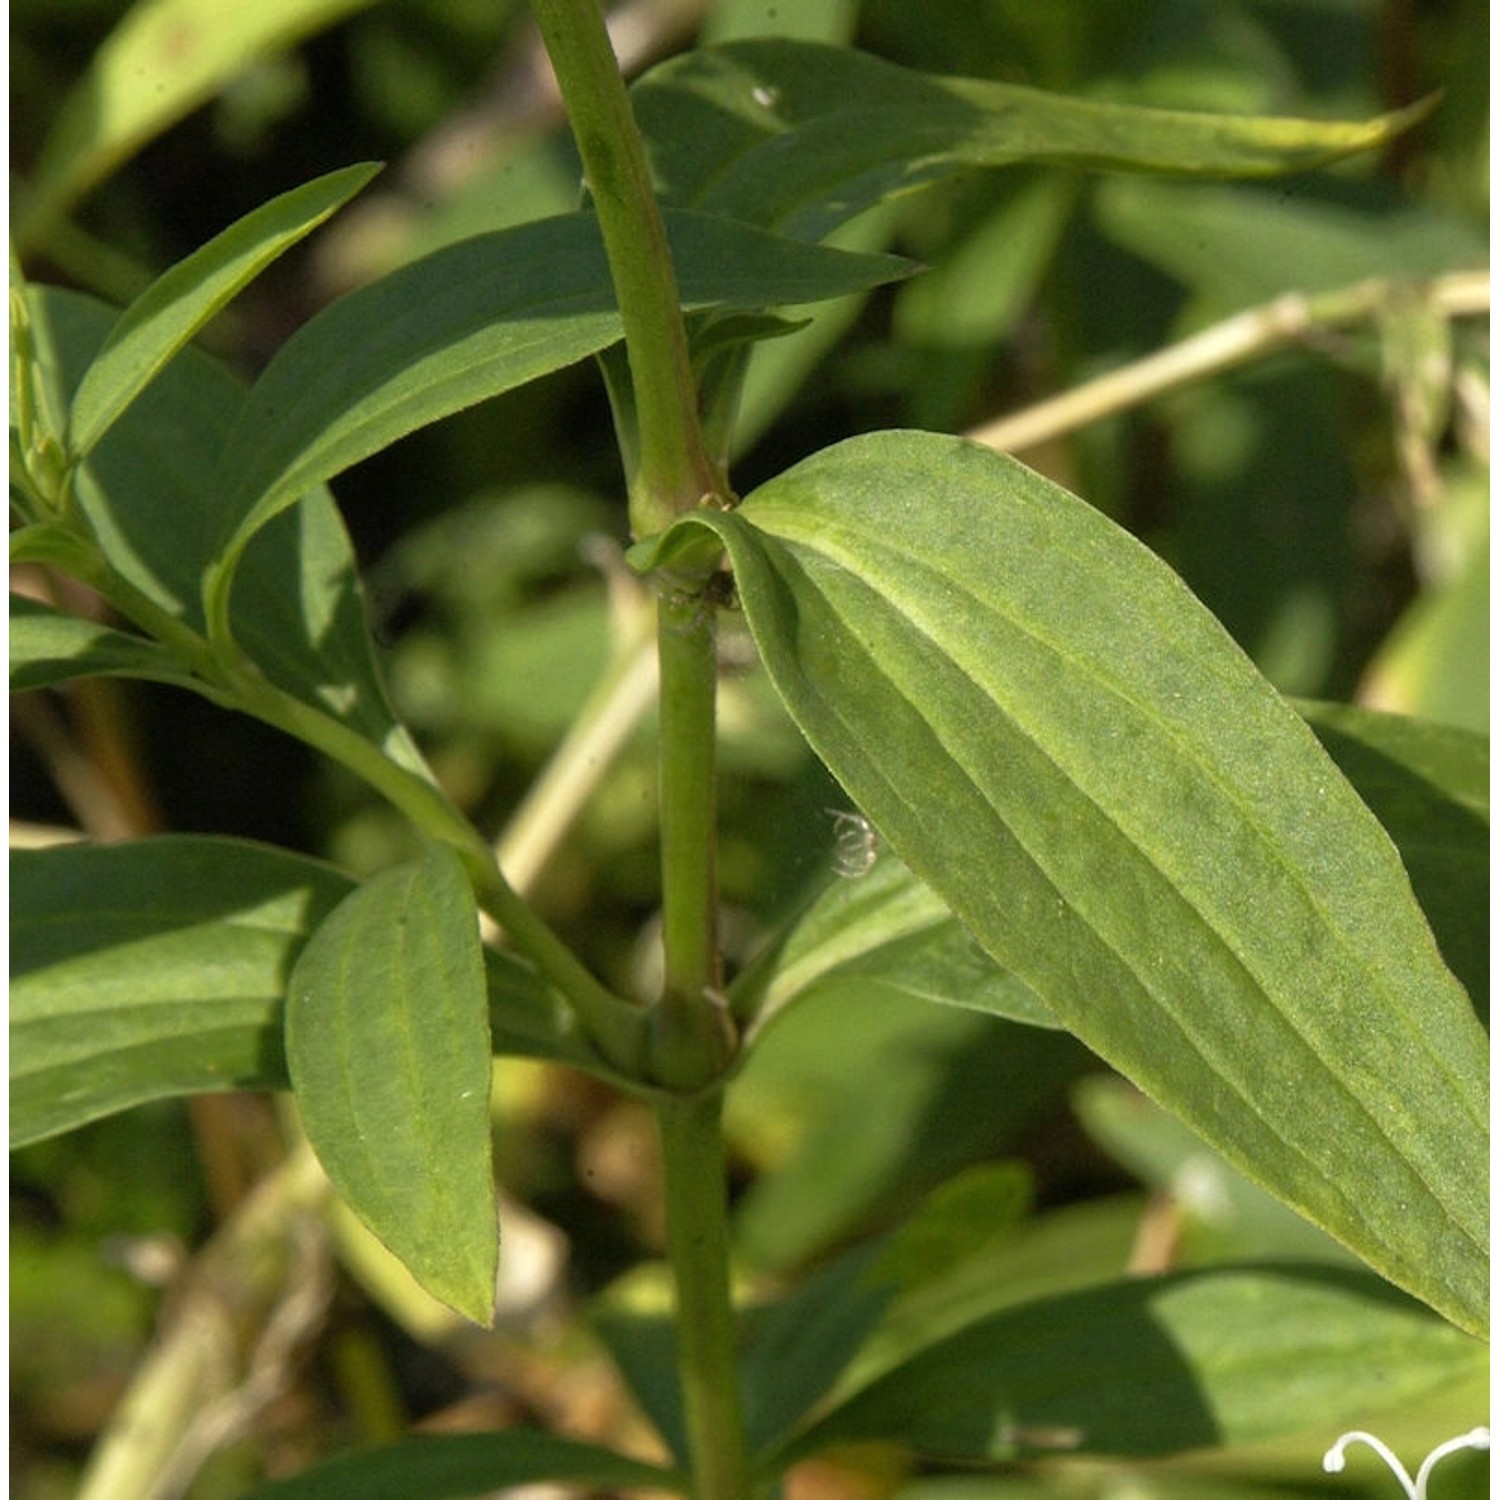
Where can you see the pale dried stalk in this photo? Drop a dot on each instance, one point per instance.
(1290, 319)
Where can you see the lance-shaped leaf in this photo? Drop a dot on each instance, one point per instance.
(884, 927)
(1153, 1367)
(389, 1052)
(800, 137)
(180, 301)
(473, 320)
(48, 647)
(153, 505)
(152, 968)
(466, 1466)
(1052, 733)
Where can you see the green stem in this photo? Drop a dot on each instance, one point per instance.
(693, 1168)
(674, 471)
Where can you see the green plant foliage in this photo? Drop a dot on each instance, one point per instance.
(469, 322)
(180, 301)
(1069, 750)
(389, 1054)
(150, 503)
(165, 58)
(48, 647)
(882, 925)
(152, 968)
(462, 1465)
(1160, 1366)
(800, 137)
(821, 924)
(1429, 784)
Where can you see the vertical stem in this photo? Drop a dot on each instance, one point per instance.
(689, 1038)
(674, 469)
(685, 651)
(693, 1165)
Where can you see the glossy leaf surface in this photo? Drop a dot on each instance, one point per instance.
(389, 1052)
(458, 1466)
(152, 968)
(1053, 734)
(1150, 1367)
(473, 320)
(801, 137)
(181, 300)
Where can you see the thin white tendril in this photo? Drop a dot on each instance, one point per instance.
(1416, 1489)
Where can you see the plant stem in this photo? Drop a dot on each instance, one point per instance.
(674, 471)
(685, 651)
(690, 1040)
(693, 1167)
(1248, 335)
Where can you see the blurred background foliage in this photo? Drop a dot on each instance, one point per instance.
(1329, 503)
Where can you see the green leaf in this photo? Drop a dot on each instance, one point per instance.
(886, 927)
(164, 59)
(468, 322)
(800, 137)
(152, 503)
(1429, 785)
(180, 301)
(1152, 1367)
(389, 1052)
(151, 968)
(1053, 734)
(463, 1465)
(159, 967)
(47, 647)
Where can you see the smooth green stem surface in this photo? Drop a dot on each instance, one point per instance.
(693, 1168)
(691, 1038)
(688, 667)
(674, 472)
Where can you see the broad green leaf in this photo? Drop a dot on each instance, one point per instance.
(459, 1466)
(1054, 735)
(1428, 784)
(884, 926)
(180, 301)
(473, 320)
(152, 968)
(152, 502)
(799, 137)
(164, 59)
(159, 967)
(48, 647)
(389, 1054)
(1158, 1366)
